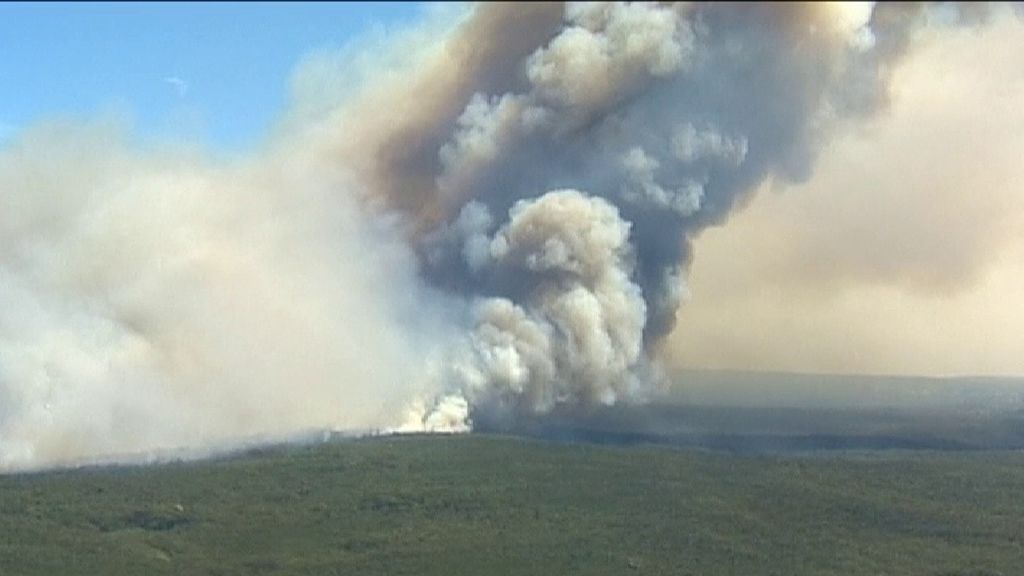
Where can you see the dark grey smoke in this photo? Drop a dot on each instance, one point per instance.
(663, 117)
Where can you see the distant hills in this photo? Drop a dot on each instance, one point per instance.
(771, 412)
(776, 389)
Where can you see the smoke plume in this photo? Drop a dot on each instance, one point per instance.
(500, 224)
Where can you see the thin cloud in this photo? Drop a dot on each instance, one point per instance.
(180, 86)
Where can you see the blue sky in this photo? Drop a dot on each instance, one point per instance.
(214, 72)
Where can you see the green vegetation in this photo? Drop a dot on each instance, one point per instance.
(481, 506)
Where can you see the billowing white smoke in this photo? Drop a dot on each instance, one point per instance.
(505, 230)
(577, 332)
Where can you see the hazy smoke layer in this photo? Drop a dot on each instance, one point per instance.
(156, 301)
(505, 229)
(903, 254)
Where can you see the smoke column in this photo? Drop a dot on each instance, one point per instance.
(500, 224)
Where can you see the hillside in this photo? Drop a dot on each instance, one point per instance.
(486, 505)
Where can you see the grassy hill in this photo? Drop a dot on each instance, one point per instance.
(485, 505)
